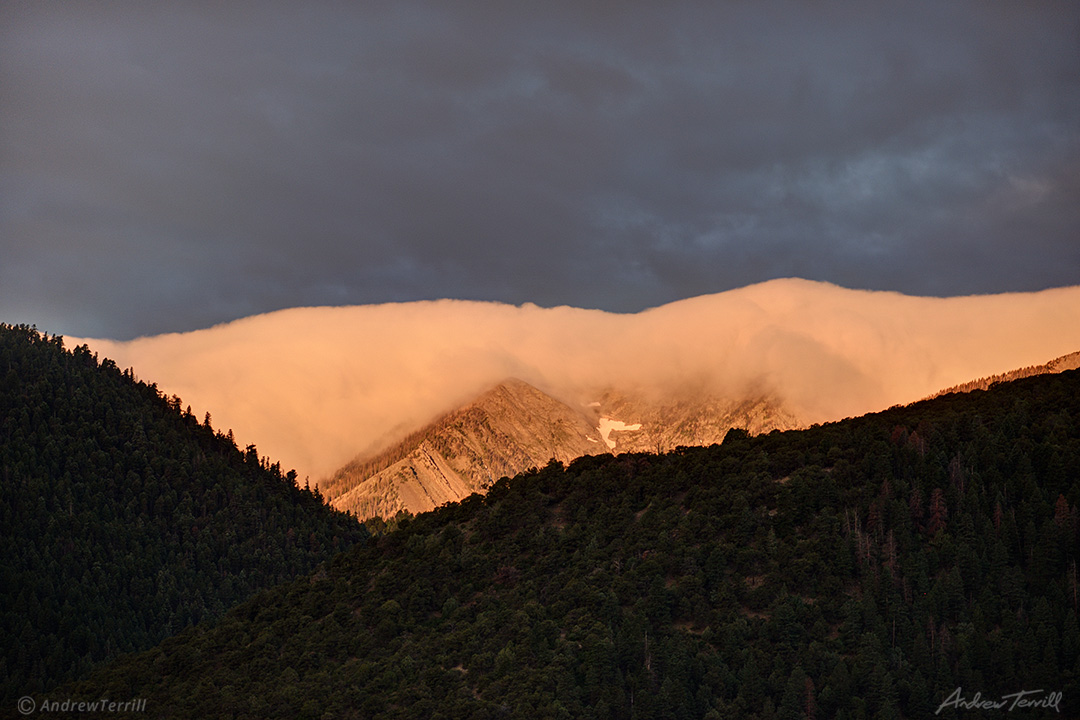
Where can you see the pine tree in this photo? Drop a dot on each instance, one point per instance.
(938, 512)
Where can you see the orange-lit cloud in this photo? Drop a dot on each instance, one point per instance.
(314, 386)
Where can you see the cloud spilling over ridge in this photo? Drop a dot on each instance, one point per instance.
(314, 386)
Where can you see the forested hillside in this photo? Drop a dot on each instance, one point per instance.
(123, 519)
(861, 569)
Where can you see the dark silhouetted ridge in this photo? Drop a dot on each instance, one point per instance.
(124, 519)
(865, 568)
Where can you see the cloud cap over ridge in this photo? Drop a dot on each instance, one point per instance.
(314, 386)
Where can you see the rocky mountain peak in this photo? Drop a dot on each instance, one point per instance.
(514, 426)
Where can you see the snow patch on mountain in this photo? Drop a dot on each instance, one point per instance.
(608, 425)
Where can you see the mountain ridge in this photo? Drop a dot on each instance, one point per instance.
(430, 467)
(507, 429)
(1057, 365)
(125, 519)
(514, 426)
(862, 568)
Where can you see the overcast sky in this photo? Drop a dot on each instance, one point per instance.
(169, 166)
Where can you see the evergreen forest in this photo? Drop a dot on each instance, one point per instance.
(861, 569)
(124, 519)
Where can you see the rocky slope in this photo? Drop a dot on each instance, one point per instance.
(514, 426)
(509, 428)
(688, 420)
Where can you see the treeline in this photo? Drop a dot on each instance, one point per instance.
(1065, 362)
(861, 569)
(124, 519)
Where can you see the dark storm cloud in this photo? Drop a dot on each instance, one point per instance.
(168, 167)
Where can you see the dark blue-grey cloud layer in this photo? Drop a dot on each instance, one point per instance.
(167, 166)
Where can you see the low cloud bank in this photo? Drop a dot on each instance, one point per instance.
(312, 387)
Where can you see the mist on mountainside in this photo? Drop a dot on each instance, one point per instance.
(313, 387)
(506, 430)
(514, 427)
(1057, 365)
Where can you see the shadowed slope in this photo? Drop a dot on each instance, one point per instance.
(865, 568)
(123, 519)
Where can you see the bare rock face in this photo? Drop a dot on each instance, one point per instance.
(664, 425)
(508, 429)
(514, 427)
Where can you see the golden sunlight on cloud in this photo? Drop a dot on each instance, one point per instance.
(312, 387)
